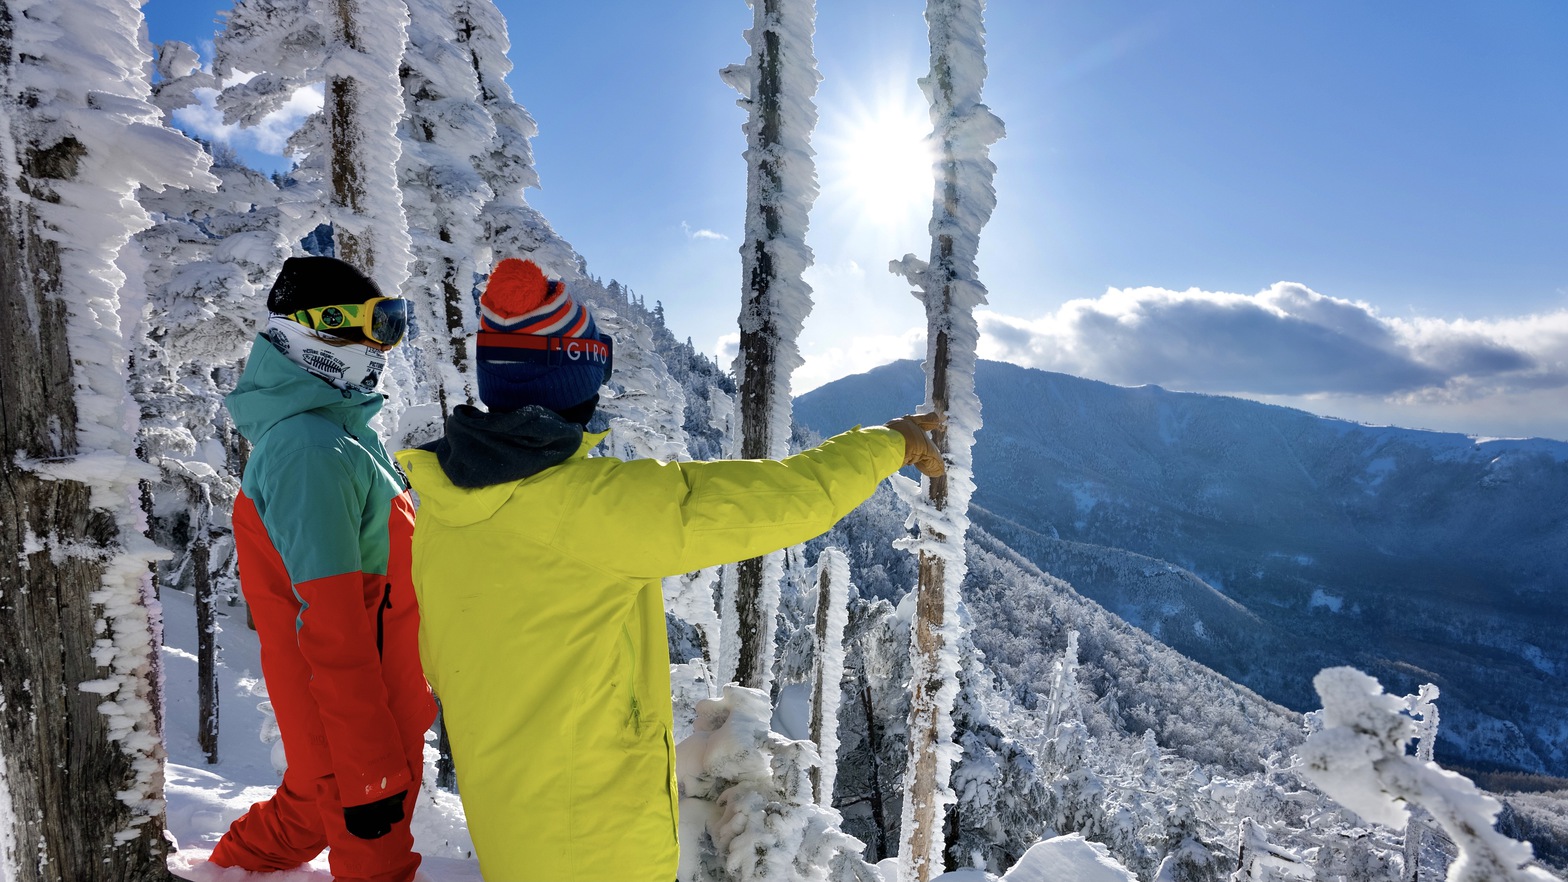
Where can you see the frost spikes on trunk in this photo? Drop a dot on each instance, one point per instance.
(1423, 706)
(81, 752)
(62, 772)
(828, 670)
(777, 84)
(363, 105)
(964, 129)
(443, 143)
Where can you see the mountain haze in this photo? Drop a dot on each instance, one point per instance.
(1269, 543)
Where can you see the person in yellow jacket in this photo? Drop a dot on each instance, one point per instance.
(538, 571)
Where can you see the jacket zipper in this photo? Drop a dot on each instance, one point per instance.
(381, 624)
(631, 657)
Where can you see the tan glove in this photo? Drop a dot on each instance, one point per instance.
(918, 449)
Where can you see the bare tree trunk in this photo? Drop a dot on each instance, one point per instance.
(874, 741)
(61, 770)
(206, 627)
(446, 769)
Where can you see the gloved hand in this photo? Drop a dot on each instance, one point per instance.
(374, 820)
(918, 449)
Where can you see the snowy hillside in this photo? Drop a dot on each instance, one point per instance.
(1268, 543)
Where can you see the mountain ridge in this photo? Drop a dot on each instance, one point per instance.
(1416, 556)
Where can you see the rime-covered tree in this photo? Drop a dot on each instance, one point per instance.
(778, 84)
(1359, 759)
(828, 669)
(202, 269)
(445, 131)
(512, 227)
(963, 130)
(353, 49)
(747, 812)
(81, 752)
(1423, 707)
(1262, 861)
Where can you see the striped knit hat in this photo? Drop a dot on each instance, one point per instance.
(536, 344)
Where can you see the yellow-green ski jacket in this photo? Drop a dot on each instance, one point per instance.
(542, 622)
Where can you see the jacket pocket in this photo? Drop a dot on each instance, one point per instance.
(634, 711)
(672, 787)
(381, 619)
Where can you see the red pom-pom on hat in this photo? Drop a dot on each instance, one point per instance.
(516, 287)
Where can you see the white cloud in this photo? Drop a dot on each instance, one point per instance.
(1285, 341)
(725, 349)
(834, 277)
(860, 354)
(205, 120)
(701, 234)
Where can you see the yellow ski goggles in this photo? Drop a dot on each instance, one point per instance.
(382, 319)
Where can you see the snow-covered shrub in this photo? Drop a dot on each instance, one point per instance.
(746, 809)
(1359, 758)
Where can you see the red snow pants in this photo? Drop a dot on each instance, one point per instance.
(305, 815)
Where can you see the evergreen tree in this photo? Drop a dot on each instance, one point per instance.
(81, 749)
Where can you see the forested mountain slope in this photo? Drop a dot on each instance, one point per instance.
(1269, 543)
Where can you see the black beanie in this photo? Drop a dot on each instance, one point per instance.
(308, 282)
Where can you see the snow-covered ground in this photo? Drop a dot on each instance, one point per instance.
(203, 799)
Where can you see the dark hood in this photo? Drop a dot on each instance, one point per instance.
(480, 449)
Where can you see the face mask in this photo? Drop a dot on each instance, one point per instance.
(350, 366)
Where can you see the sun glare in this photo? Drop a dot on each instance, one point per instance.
(881, 162)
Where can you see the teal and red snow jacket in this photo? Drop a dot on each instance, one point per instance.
(324, 525)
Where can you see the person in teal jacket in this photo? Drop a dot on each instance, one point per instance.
(323, 526)
(538, 568)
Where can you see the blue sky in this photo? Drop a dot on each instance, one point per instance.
(1356, 208)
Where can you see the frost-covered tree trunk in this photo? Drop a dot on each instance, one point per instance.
(206, 638)
(364, 102)
(1423, 706)
(512, 228)
(363, 106)
(1262, 861)
(778, 84)
(964, 130)
(81, 753)
(828, 669)
(444, 133)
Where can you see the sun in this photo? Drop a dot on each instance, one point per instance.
(878, 162)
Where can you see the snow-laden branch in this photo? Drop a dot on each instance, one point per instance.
(746, 812)
(1359, 759)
